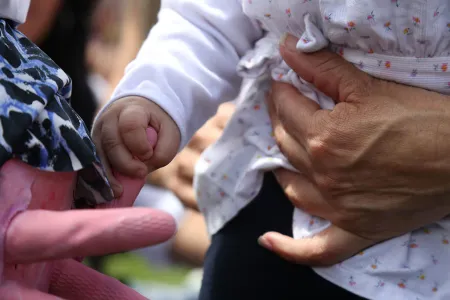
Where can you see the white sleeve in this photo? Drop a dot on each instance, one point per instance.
(15, 10)
(187, 65)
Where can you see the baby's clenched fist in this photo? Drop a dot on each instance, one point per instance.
(134, 136)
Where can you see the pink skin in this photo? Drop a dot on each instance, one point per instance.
(39, 236)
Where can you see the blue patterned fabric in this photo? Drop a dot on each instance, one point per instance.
(37, 124)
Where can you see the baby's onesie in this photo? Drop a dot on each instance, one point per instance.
(191, 68)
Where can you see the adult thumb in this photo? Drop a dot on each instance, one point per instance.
(327, 71)
(329, 247)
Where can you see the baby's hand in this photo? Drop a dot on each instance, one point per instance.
(134, 137)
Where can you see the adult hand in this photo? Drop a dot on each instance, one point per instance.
(38, 245)
(178, 175)
(192, 224)
(376, 166)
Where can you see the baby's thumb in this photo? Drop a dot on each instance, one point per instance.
(329, 247)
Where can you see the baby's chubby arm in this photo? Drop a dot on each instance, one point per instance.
(185, 69)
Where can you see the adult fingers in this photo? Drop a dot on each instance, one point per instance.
(327, 71)
(184, 190)
(186, 163)
(293, 113)
(37, 235)
(224, 114)
(213, 129)
(15, 291)
(73, 280)
(329, 247)
(304, 194)
(204, 137)
(294, 152)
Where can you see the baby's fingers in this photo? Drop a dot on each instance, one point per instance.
(118, 155)
(133, 123)
(326, 248)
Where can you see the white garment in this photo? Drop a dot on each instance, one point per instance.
(14, 10)
(188, 66)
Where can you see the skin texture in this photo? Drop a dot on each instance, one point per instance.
(376, 165)
(119, 134)
(40, 236)
(381, 154)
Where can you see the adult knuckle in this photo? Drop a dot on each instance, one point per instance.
(342, 114)
(195, 139)
(352, 84)
(279, 135)
(283, 148)
(342, 216)
(319, 121)
(184, 168)
(353, 88)
(172, 183)
(200, 141)
(325, 135)
(325, 182)
(319, 136)
(202, 134)
(293, 195)
(329, 63)
(317, 148)
(344, 111)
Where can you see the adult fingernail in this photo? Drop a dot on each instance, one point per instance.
(289, 42)
(262, 241)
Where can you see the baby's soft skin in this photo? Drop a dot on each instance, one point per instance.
(134, 136)
(39, 237)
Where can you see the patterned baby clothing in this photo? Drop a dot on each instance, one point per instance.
(187, 66)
